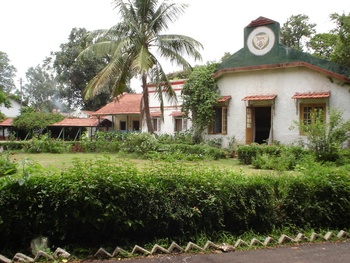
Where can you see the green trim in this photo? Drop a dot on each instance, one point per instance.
(278, 55)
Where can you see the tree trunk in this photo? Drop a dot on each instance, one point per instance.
(145, 98)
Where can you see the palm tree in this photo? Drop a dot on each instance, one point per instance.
(135, 46)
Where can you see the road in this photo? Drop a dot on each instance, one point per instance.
(337, 252)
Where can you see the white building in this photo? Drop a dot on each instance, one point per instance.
(272, 86)
(173, 119)
(265, 88)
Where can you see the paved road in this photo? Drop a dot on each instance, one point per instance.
(337, 252)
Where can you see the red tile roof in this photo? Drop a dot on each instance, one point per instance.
(8, 122)
(223, 99)
(260, 97)
(125, 104)
(156, 114)
(311, 95)
(177, 114)
(260, 21)
(77, 122)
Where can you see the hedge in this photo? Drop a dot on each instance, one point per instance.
(107, 202)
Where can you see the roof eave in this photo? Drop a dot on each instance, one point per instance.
(222, 72)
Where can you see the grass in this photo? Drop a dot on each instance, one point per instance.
(64, 160)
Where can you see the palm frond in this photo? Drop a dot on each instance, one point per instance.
(180, 44)
(166, 14)
(143, 61)
(99, 82)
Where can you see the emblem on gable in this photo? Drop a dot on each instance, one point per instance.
(261, 40)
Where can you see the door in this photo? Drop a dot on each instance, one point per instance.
(136, 125)
(249, 125)
(258, 124)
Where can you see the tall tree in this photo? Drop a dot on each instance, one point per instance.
(73, 75)
(297, 32)
(137, 45)
(7, 74)
(40, 91)
(341, 54)
(323, 45)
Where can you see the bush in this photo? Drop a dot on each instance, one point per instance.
(105, 201)
(140, 143)
(285, 158)
(325, 138)
(7, 166)
(45, 144)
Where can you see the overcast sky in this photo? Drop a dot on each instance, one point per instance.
(31, 29)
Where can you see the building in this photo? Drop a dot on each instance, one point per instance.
(173, 120)
(124, 112)
(271, 86)
(6, 126)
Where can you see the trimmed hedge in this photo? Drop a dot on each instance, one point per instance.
(106, 202)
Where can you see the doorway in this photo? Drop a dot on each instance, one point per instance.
(258, 124)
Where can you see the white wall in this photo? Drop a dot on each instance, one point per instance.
(284, 83)
(167, 126)
(14, 111)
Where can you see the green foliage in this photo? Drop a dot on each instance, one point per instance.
(4, 100)
(32, 121)
(246, 153)
(136, 47)
(7, 166)
(45, 144)
(200, 94)
(101, 142)
(325, 138)
(140, 143)
(280, 159)
(187, 152)
(105, 201)
(323, 45)
(341, 53)
(296, 31)
(271, 157)
(40, 91)
(73, 75)
(7, 74)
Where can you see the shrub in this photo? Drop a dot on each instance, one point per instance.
(105, 201)
(7, 166)
(140, 143)
(45, 144)
(326, 137)
(285, 158)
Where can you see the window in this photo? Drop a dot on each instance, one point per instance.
(156, 124)
(180, 124)
(308, 113)
(123, 125)
(219, 124)
(136, 125)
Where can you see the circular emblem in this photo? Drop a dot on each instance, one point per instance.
(261, 40)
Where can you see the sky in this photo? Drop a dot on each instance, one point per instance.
(32, 29)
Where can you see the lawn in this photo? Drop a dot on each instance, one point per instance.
(64, 160)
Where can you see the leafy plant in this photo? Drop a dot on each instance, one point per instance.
(7, 166)
(325, 138)
(200, 94)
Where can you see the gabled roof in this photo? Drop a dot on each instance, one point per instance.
(124, 104)
(261, 21)
(279, 57)
(8, 122)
